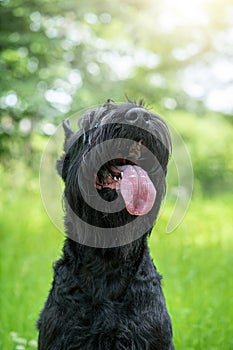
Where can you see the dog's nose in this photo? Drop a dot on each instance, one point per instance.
(137, 115)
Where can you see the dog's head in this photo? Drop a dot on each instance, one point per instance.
(114, 169)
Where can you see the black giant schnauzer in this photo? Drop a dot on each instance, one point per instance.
(106, 293)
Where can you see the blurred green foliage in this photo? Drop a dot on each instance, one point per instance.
(207, 139)
(58, 57)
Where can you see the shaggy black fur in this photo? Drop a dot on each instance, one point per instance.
(108, 298)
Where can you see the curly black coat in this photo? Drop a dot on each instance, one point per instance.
(108, 297)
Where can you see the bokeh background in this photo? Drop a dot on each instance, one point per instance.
(58, 57)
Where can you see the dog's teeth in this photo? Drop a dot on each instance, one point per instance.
(115, 178)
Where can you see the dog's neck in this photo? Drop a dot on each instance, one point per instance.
(106, 273)
(123, 256)
(131, 253)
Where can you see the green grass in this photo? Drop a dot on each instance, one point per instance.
(196, 262)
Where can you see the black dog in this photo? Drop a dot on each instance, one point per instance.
(106, 292)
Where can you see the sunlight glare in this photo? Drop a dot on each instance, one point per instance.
(182, 13)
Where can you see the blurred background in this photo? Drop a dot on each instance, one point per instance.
(59, 57)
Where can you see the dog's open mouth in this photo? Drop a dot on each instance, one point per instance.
(131, 180)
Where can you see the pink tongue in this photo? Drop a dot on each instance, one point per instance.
(137, 190)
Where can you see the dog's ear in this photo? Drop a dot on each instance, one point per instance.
(68, 132)
(68, 135)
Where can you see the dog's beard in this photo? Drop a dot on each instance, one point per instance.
(127, 191)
